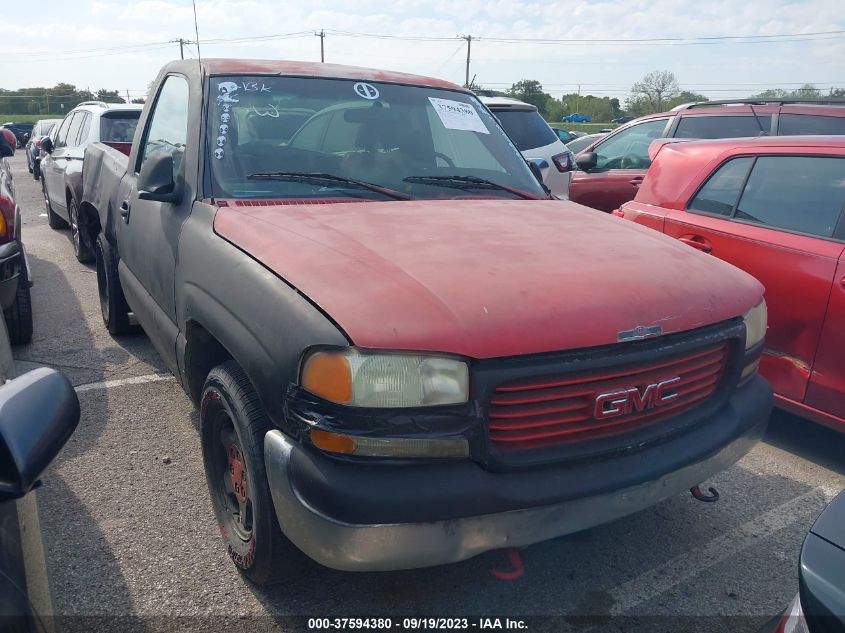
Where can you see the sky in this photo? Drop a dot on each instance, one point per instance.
(121, 44)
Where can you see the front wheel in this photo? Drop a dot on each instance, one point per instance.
(233, 425)
(113, 306)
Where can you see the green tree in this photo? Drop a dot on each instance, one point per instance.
(654, 91)
(109, 96)
(530, 91)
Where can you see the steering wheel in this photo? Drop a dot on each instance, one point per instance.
(449, 162)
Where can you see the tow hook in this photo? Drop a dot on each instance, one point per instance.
(517, 567)
(713, 497)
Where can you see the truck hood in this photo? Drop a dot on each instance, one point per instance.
(485, 278)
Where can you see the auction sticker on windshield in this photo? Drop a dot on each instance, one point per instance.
(458, 116)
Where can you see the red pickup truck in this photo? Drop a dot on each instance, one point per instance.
(403, 351)
(774, 207)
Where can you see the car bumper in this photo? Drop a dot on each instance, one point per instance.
(333, 540)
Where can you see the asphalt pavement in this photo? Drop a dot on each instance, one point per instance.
(130, 543)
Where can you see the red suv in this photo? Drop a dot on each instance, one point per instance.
(773, 207)
(611, 169)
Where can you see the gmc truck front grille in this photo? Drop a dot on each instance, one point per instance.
(554, 410)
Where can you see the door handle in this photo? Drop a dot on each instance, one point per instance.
(697, 242)
(124, 211)
(636, 181)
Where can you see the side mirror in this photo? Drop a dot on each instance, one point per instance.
(536, 166)
(156, 182)
(587, 161)
(38, 413)
(47, 144)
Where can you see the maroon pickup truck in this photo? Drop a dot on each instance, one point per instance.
(403, 351)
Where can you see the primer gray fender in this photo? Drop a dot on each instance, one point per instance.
(103, 170)
(263, 323)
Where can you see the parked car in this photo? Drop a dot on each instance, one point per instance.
(15, 274)
(567, 135)
(773, 207)
(622, 120)
(61, 162)
(536, 141)
(577, 118)
(41, 129)
(388, 301)
(577, 144)
(819, 606)
(38, 413)
(20, 130)
(611, 170)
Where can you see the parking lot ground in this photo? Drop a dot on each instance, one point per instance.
(130, 541)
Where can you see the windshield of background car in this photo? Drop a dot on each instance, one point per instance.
(527, 129)
(380, 133)
(119, 127)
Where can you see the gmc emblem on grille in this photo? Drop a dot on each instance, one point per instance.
(626, 401)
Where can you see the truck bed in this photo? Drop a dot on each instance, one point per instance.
(103, 169)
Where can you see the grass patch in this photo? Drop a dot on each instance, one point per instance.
(28, 118)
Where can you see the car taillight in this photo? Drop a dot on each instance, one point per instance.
(7, 219)
(619, 213)
(563, 162)
(793, 620)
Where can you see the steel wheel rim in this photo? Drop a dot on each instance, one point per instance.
(230, 469)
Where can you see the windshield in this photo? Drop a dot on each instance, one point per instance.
(119, 127)
(371, 132)
(527, 128)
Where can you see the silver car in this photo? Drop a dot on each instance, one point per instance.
(536, 140)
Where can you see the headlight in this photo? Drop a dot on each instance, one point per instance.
(756, 321)
(361, 378)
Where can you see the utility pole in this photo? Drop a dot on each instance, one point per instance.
(182, 43)
(322, 36)
(128, 100)
(578, 100)
(468, 38)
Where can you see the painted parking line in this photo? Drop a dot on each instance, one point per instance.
(120, 382)
(693, 562)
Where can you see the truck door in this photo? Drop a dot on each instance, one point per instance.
(621, 163)
(774, 217)
(826, 390)
(148, 231)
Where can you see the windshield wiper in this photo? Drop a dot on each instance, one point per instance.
(470, 182)
(317, 178)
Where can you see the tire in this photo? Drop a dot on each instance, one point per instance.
(233, 425)
(36, 170)
(53, 220)
(79, 235)
(113, 306)
(19, 315)
(28, 163)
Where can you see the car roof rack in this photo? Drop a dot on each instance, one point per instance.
(102, 104)
(760, 101)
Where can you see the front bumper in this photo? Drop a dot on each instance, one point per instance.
(380, 517)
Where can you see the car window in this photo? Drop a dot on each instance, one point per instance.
(61, 135)
(119, 127)
(526, 128)
(582, 142)
(721, 191)
(84, 129)
(629, 148)
(792, 124)
(722, 126)
(167, 131)
(796, 193)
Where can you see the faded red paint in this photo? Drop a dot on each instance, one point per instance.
(314, 69)
(803, 275)
(486, 278)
